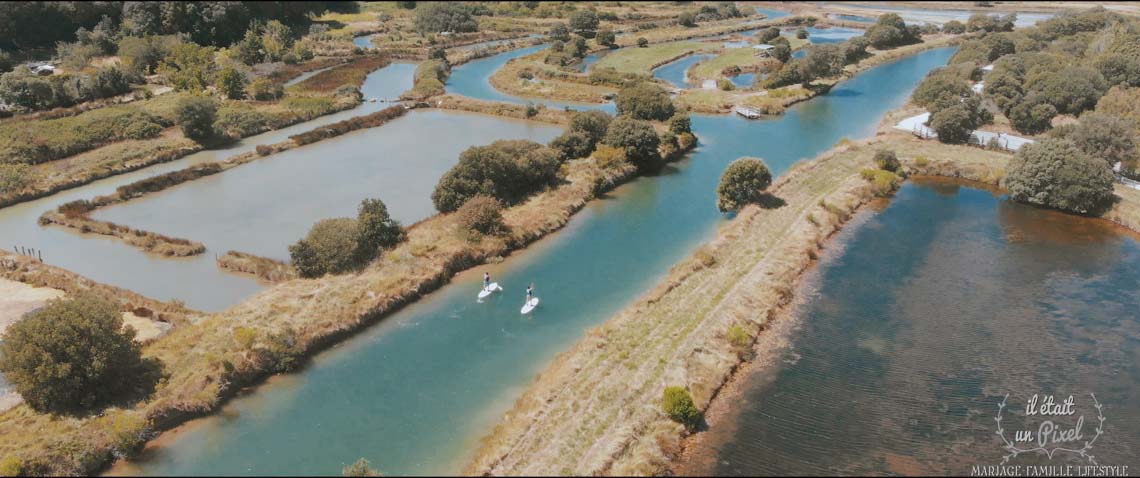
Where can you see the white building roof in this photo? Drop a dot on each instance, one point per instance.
(917, 126)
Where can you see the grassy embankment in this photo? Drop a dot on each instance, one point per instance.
(207, 365)
(264, 268)
(596, 409)
(35, 273)
(68, 152)
(77, 214)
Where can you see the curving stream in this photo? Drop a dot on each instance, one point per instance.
(415, 393)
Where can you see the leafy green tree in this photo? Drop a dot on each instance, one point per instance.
(482, 214)
(854, 49)
(74, 355)
(559, 32)
(822, 61)
(801, 34)
(687, 19)
(642, 42)
(593, 122)
(572, 144)
(1032, 115)
(744, 182)
(509, 171)
(264, 89)
(952, 124)
(196, 115)
(21, 87)
(14, 176)
(1071, 90)
(276, 39)
(886, 160)
(231, 83)
(606, 38)
(188, 67)
(437, 17)
(362, 467)
(940, 88)
(1119, 69)
(1102, 136)
(586, 129)
(954, 27)
(680, 124)
(377, 229)
(678, 405)
(250, 49)
(890, 31)
(768, 34)
(645, 101)
(638, 139)
(1055, 173)
(1123, 103)
(584, 22)
(331, 246)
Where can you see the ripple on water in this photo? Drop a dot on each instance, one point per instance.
(919, 328)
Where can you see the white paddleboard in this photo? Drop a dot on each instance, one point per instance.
(530, 305)
(491, 289)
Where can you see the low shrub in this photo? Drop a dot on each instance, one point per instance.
(483, 214)
(884, 182)
(678, 405)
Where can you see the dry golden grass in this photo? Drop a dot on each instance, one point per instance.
(264, 268)
(507, 110)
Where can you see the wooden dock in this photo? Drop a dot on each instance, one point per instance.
(750, 113)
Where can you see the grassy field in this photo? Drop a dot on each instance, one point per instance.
(644, 60)
(744, 58)
(596, 409)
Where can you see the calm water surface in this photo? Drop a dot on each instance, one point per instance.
(915, 329)
(414, 394)
(771, 14)
(676, 72)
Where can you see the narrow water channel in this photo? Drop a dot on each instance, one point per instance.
(915, 329)
(260, 207)
(415, 393)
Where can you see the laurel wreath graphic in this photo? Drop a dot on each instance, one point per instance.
(1084, 451)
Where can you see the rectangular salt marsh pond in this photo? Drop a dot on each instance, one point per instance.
(264, 206)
